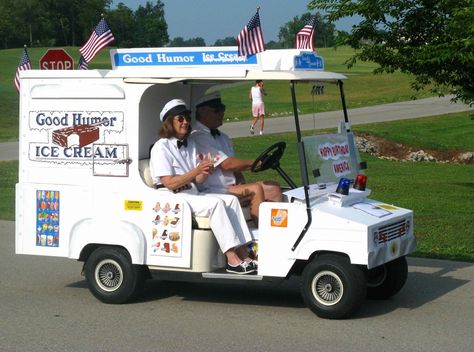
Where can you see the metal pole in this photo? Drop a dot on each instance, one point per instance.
(303, 168)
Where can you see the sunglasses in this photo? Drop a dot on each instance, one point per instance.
(181, 118)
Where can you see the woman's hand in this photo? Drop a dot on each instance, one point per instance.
(204, 169)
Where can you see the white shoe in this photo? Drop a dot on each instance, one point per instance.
(251, 130)
(261, 132)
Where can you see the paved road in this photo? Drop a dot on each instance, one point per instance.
(386, 112)
(45, 306)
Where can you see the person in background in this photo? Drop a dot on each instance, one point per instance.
(256, 94)
(174, 165)
(227, 176)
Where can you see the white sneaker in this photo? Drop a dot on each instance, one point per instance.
(261, 132)
(251, 130)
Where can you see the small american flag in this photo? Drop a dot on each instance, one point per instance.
(305, 37)
(250, 39)
(25, 64)
(83, 65)
(100, 38)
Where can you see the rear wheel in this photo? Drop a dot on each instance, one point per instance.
(111, 276)
(386, 280)
(331, 287)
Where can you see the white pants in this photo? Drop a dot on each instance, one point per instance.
(226, 219)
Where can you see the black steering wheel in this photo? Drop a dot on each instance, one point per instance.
(270, 158)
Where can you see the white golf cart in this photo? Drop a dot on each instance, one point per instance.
(84, 190)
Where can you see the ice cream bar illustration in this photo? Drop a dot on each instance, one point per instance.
(80, 135)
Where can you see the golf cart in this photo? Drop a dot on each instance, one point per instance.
(85, 191)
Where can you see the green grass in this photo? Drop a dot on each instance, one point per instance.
(441, 195)
(452, 132)
(362, 88)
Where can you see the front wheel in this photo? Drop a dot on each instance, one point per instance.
(111, 276)
(386, 280)
(331, 287)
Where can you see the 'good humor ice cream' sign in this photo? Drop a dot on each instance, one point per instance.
(168, 57)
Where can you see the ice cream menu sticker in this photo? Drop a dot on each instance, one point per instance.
(47, 218)
(166, 230)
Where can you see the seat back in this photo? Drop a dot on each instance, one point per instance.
(144, 169)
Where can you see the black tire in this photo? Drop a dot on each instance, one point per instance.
(386, 280)
(111, 276)
(331, 287)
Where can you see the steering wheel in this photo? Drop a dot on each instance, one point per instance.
(270, 158)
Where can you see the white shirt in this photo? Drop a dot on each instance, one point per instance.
(220, 148)
(257, 96)
(167, 160)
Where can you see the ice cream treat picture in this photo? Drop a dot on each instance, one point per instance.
(79, 135)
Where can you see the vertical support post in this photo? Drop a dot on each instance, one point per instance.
(303, 167)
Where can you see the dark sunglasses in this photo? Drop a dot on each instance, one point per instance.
(181, 118)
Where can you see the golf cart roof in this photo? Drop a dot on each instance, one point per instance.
(203, 64)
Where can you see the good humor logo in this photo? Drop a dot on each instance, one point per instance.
(182, 58)
(74, 136)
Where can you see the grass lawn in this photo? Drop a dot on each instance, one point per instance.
(362, 88)
(440, 194)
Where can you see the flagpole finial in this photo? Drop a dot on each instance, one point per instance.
(258, 8)
(102, 15)
(25, 46)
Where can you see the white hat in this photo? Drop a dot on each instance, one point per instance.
(173, 107)
(213, 100)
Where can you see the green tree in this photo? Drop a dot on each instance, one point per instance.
(227, 41)
(324, 32)
(151, 28)
(7, 26)
(431, 39)
(122, 23)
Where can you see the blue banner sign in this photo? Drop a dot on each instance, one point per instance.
(308, 61)
(162, 57)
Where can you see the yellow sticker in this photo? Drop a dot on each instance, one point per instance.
(387, 207)
(133, 205)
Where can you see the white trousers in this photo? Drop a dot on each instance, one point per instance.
(226, 218)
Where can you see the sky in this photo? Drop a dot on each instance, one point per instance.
(218, 19)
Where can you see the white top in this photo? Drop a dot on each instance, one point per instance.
(257, 96)
(220, 148)
(167, 160)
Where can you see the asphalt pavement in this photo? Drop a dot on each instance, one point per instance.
(45, 305)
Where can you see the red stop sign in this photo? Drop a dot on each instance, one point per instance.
(56, 59)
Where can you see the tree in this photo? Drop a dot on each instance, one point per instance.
(122, 22)
(431, 39)
(151, 27)
(227, 41)
(324, 32)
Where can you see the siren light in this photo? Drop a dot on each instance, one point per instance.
(343, 186)
(360, 182)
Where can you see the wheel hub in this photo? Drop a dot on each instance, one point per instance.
(108, 275)
(327, 288)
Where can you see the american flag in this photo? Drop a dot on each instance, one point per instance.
(100, 38)
(250, 39)
(25, 64)
(305, 37)
(83, 65)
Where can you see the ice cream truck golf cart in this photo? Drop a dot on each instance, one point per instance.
(84, 189)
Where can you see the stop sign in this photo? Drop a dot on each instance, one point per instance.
(56, 59)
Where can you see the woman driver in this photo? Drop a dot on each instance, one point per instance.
(174, 165)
